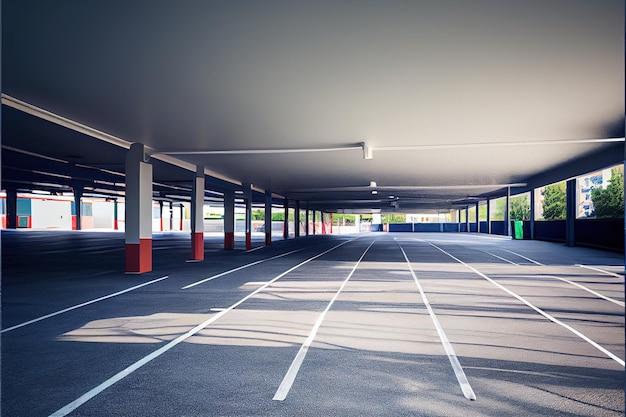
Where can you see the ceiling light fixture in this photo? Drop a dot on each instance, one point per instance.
(498, 144)
(262, 151)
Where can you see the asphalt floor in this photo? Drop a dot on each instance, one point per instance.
(377, 324)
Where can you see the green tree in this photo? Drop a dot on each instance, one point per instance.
(338, 218)
(393, 218)
(278, 217)
(258, 214)
(554, 201)
(520, 207)
(609, 202)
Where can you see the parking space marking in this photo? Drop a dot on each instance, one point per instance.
(522, 256)
(292, 372)
(65, 310)
(62, 412)
(589, 290)
(230, 271)
(537, 309)
(466, 388)
(499, 257)
(601, 270)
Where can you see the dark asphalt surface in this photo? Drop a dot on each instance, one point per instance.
(377, 351)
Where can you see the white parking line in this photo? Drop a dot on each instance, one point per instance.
(537, 309)
(589, 290)
(466, 388)
(601, 270)
(65, 310)
(230, 271)
(146, 359)
(254, 249)
(522, 256)
(499, 257)
(292, 372)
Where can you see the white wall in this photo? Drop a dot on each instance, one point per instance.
(102, 214)
(51, 214)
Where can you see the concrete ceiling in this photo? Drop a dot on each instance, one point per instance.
(451, 99)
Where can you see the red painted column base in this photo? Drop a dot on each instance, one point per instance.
(248, 240)
(139, 257)
(229, 240)
(197, 246)
(268, 239)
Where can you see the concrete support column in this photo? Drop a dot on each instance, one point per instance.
(182, 216)
(78, 207)
(286, 221)
(331, 223)
(477, 219)
(296, 221)
(197, 216)
(229, 220)
(306, 220)
(570, 212)
(138, 211)
(507, 213)
(161, 215)
(247, 192)
(467, 223)
(313, 222)
(532, 214)
(488, 216)
(171, 215)
(11, 208)
(268, 217)
(116, 225)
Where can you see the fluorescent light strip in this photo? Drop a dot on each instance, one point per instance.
(498, 144)
(262, 151)
(412, 187)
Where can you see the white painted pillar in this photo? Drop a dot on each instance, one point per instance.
(197, 216)
(138, 207)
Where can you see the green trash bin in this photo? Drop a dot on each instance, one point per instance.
(518, 229)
